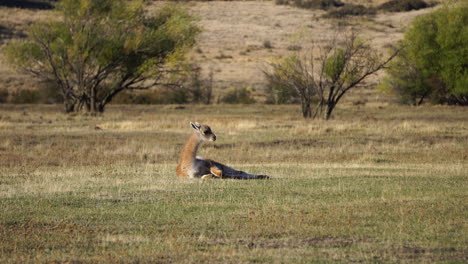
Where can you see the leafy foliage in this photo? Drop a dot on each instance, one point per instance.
(341, 66)
(238, 96)
(47, 93)
(279, 94)
(103, 47)
(289, 79)
(434, 62)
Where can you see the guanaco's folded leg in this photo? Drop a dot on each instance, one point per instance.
(216, 172)
(207, 176)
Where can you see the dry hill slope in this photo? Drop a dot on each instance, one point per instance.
(239, 37)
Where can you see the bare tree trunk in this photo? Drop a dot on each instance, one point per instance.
(329, 110)
(306, 109)
(69, 107)
(93, 100)
(100, 108)
(209, 88)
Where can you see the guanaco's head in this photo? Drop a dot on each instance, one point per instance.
(203, 131)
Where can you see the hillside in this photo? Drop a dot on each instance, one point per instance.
(239, 38)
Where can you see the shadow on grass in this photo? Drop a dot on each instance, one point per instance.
(28, 4)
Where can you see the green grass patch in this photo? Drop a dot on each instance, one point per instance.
(342, 191)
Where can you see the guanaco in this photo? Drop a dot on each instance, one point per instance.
(192, 166)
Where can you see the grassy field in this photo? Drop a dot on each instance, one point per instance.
(379, 183)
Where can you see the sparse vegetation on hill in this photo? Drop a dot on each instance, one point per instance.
(322, 80)
(233, 42)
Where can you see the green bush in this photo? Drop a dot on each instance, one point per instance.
(433, 63)
(116, 43)
(238, 96)
(279, 94)
(197, 89)
(403, 5)
(191, 88)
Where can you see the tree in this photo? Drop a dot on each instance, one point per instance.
(293, 73)
(97, 49)
(329, 76)
(199, 90)
(433, 63)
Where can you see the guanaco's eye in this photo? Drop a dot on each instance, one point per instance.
(207, 132)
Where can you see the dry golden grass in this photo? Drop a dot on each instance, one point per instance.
(378, 183)
(375, 184)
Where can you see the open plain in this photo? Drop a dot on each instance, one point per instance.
(378, 183)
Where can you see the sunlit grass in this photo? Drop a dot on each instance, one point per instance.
(372, 185)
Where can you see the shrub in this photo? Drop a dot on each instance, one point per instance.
(198, 89)
(138, 97)
(323, 78)
(238, 96)
(294, 47)
(4, 96)
(433, 64)
(403, 5)
(350, 10)
(192, 88)
(267, 44)
(223, 56)
(282, 2)
(313, 4)
(281, 94)
(50, 93)
(156, 96)
(25, 97)
(176, 96)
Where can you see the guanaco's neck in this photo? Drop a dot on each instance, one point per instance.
(190, 149)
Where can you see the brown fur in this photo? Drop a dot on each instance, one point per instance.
(186, 156)
(191, 166)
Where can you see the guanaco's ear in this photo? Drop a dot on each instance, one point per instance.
(195, 125)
